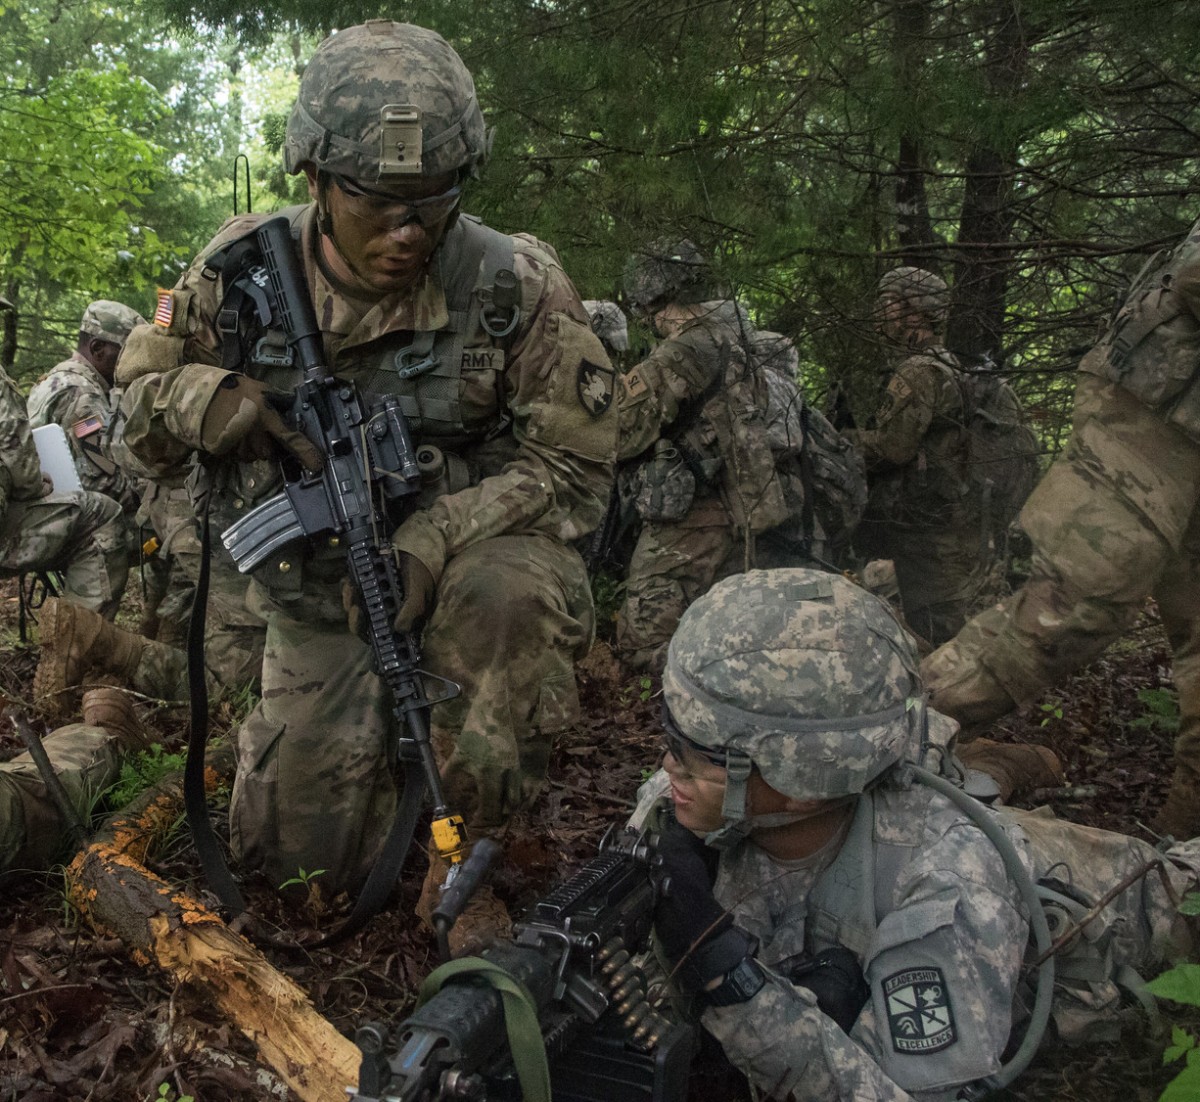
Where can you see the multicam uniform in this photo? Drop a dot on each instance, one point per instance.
(920, 514)
(529, 435)
(708, 487)
(75, 395)
(86, 760)
(941, 950)
(1113, 521)
(81, 534)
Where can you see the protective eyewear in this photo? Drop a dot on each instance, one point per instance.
(678, 744)
(389, 213)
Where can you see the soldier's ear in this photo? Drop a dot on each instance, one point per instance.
(310, 174)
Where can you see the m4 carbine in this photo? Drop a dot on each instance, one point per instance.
(575, 953)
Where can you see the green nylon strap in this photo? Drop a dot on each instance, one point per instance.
(520, 1019)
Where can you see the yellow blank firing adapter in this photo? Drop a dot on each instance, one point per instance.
(450, 836)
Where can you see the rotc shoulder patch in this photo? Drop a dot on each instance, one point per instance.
(920, 1019)
(595, 384)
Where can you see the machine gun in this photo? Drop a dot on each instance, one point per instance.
(370, 478)
(575, 953)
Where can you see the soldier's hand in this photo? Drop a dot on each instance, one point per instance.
(419, 588)
(243, 417)
(47, 486)
(835, 976)
(696, 933)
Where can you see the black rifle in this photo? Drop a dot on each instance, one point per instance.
(369, 480)
(573, 953)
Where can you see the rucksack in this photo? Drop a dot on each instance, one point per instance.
(1002, 450)
(824, 478)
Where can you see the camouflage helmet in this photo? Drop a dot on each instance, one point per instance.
(110, 321)
(801, 672)
(384, 101)
(608, 323)
(667, 271)
(922, 290)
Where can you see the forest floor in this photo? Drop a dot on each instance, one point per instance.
(80, 1022)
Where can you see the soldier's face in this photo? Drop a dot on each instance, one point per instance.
(384, 242)
(697, 788)
(104, 356)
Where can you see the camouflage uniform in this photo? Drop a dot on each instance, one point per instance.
(952, 911)
(529, 433)
(1113, 521)
(808, 678)
(76, 395)
(920, 513)
(80, 534)
(86, 760)
(696, 408)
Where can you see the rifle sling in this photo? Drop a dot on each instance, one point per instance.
(195, 804)
(525, 1041)
(388, 865)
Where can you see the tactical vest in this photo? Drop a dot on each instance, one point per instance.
(428, 371)
(1152, 345)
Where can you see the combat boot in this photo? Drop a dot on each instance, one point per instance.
(113, 709)
(1017, 770)
(75, 642)
(484, 919)
(1180, 815)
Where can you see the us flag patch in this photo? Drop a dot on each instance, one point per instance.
(164, 311)
(86, 427)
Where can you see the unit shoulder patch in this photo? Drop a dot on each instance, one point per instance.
(920, 1018)
(595, 384)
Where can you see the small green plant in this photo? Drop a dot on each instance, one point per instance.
(1162, 711)
(302, 879)
(1181, 984)
(607, 594)
(141, 771)
(1051, 710)
(166, 1094)
(645, 685)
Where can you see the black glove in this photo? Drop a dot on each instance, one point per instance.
(693, 928)
(836, 978)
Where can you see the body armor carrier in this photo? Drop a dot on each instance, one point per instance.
(1152, 345)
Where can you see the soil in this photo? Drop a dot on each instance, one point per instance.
(80, 1022)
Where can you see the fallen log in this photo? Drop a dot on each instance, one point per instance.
(164, 926)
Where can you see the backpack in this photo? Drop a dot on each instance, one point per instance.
(824, 478)
(1001, 449)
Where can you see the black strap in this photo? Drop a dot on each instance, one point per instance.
(807, 524)
(195, 803)
(388, 865)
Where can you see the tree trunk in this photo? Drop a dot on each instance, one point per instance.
(164, 926)
(981, 269)
(914, 228)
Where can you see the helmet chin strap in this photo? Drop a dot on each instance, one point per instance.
(738, 824)
(733, 807)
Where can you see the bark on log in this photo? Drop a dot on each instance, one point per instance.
(164, 926)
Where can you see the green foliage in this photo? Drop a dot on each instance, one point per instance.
(302, 879)
(607, 594)
(1162, 711)
(141, 771)
(166, 1094)
(1051, 711)
(1181, 984)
